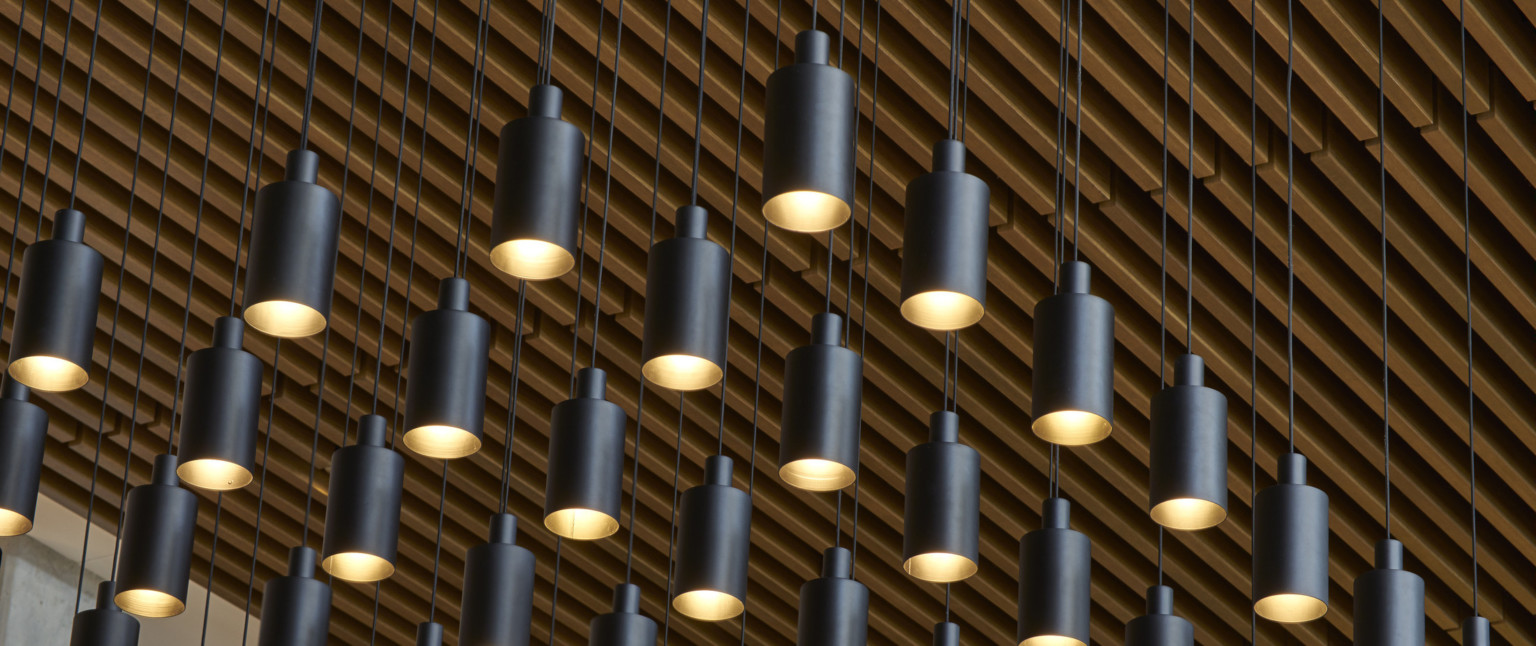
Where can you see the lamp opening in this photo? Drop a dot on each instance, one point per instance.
(285, 319)
(941, 310)
(939, 567)
(50, 374)
(1188, 514)
(214, 475)
(1072, 427)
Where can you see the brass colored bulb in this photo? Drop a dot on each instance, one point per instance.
(681, 372)
(815, 474)
(942, 310)
(532, 259)
(13, 524)
(149, 603)
(50, 374)
(213, 475)
(581, 524)
(1071, 427)
(806, 211)
(285, 319)
(708, 605)
(358, 567)
(441, 442)
(1290, 608)
(1051, 640)
(940, 567)
(1188, 514)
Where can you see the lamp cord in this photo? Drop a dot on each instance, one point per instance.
(549, 40)
(1162, 278)
(1386, 348)
(602, 246)
(511, 423)
(437, 555)
(634, 486)
(261, 491)
(213, 552)
(698, 112)
(26, 155)
(730, 283)
(1253, 291)
(275, 20)
(85, 101)
(1466, 207)
(309, 81)
(53, 126)
(1077, 148)
(858, 84)
(471, 147)
(661, 119)
(1059, 177)
(10, 90)
(677, 469)
(1290, 228)
(581, 246)
(869, 214)
(1189, 249)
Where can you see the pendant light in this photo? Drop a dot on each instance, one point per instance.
(23, 437)
(808, 140)
(1054, 563)
(1159, 627)
(625, 626)
(497, 605)
(834, 609)
(819, 441)
(685, 308)
(219, 423)
(55, 327)
(291, 263)
(941, 525)
(296, 608)
(584, 487)
(159, 519)
(362, 521)
(445, 403)
(713, 538)
(106, 624)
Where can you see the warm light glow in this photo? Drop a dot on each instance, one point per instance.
(1051, 640)
(13, 524)
(708, 605)
(532, 259)
(441, 442)
(1188, 514)
(815, 474)
(213, 475)
(681, 372)
(358, 567)
(581, 524)
(149, 603)
(806, 211)
(50, 374)
(942, 310)
(285, 319)
(940, 567)
(1071, 427)
(1290, 608)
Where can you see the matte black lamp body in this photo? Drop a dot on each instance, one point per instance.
(445, 397)
(944, 255)
(941, 525)
(538, 191)
(1475, 631)
(1188, 488)
(429, 633)
(296, 609)
(106, 624)
(714, 521)
(23, 437)
(946, 634)
(1290, 557)
(1054, 586)
(497, 607)
(685, 307)
(219, 420)
(55, 327)
(1389, 601)
(1074, 373)
(584, 487)
(808, 141)
(362, 518)
(834, 609)
(823, 382)
(625, 626)
(292, 264)
(158, 525)
(1159, 627)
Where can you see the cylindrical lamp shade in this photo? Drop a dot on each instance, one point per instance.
(1290, 547)
(106, 624)
(55, 327)
(429, 633)
(686, 281)
(219, 419)
(23, 436)
(1476, 631)
(292, 259)
(1189, 451)
(1389, 601)
(946, 634)
(714, 522)
(1159, 627)
(625, 626)
(497, 607)
(941, 526)
(158, 525)
(296, 609)
(538, 191)
(362, 516)
(834, 609)
(1054, 566)
(944, 255)
(823, 382)
(808, 131)
(584, 486)
(445, 396)
(1074, 373)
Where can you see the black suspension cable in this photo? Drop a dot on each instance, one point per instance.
(274, 18)
(213, 553)
(1059, 179)
(554, 595)
(10, 89)
(634, 486)
(261, 491)
(53, 125)
(741, 104)
(677, 468)
(586, 183)
(1162, 277)
(549, 39)
(1189, 227)
(602, 246)
(437, 555)
(1466, 207)
(309, 80)
(869, 216)
(1077, 148)
(511, 424)
(853, 173)
(661, 119)
(954, 65)
(698, 108)
(1386, 347)
(471, 149)
(1253, 289)
(26, 156)
(1290, 228)
(965, 75)
(85, 101)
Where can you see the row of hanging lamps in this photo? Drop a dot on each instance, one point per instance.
(834, 609)
(808, 140)
(585, 479)
(823, 383)
(941, 526)
(445, 397)
(23, 437)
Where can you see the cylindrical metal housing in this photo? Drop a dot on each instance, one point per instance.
(219, 419)
(429, 633)
(445, 396)
(946, 634)
(625, 626)
(106, 624)
(1054, 584)
(292, 259)
(296, 609)
(1389, 601)
(23, 437)
(362, 516)
(584, 485)
(714, 531)
(808, 141)
(497, 607)
(1290, 547)
(55, 327)
(941, 525)
(1074, 373)
(538, 191)
(685, 307)
(158, 525)
(834, 609)
(819, 428)
(1475, 631)
(1188, 489)
(1159, 627)
(944, 255)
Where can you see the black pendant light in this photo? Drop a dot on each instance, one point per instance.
(291, 263)
(106, 624)
(159, 520)
(585, 482)
(429, 633)
(1389, 601)
(1074, 370)
(714, 522)
(819, 443)
(445, 400)
(497, 607)
(834, 609)
(808, 131)
(1189, 451)
(55, 327)
(219, 423)
(941, 526)
(23, 436)
(1159, 627)
(685, 307)
(296, 609)
(1054, 564)
(362, 521)
(625, 626)
(946, 634)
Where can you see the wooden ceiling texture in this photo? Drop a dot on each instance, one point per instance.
(1012, 129)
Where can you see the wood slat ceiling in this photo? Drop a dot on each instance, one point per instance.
(408, 236)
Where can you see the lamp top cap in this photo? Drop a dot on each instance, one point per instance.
(946, 634)
(837, 563)
(813, 47)
(164, 472)
(692, 221)
(944, 426)
(371, 430)
(591, 383)
(303, 166)
(1475, 631)
(1292, 469)
(429, 633)
(1389, 554)
(544, 101)
(626, 598)
(229, 332)
(105, 591)
(717, 470)
(1075, 277)
(1057, 513)
(69, 224)
(1189, 370)
(827, 329)
(949, 156)
(12, 389)
(453, 294)
(1159, 600)
(504, 529)
(301, 562)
